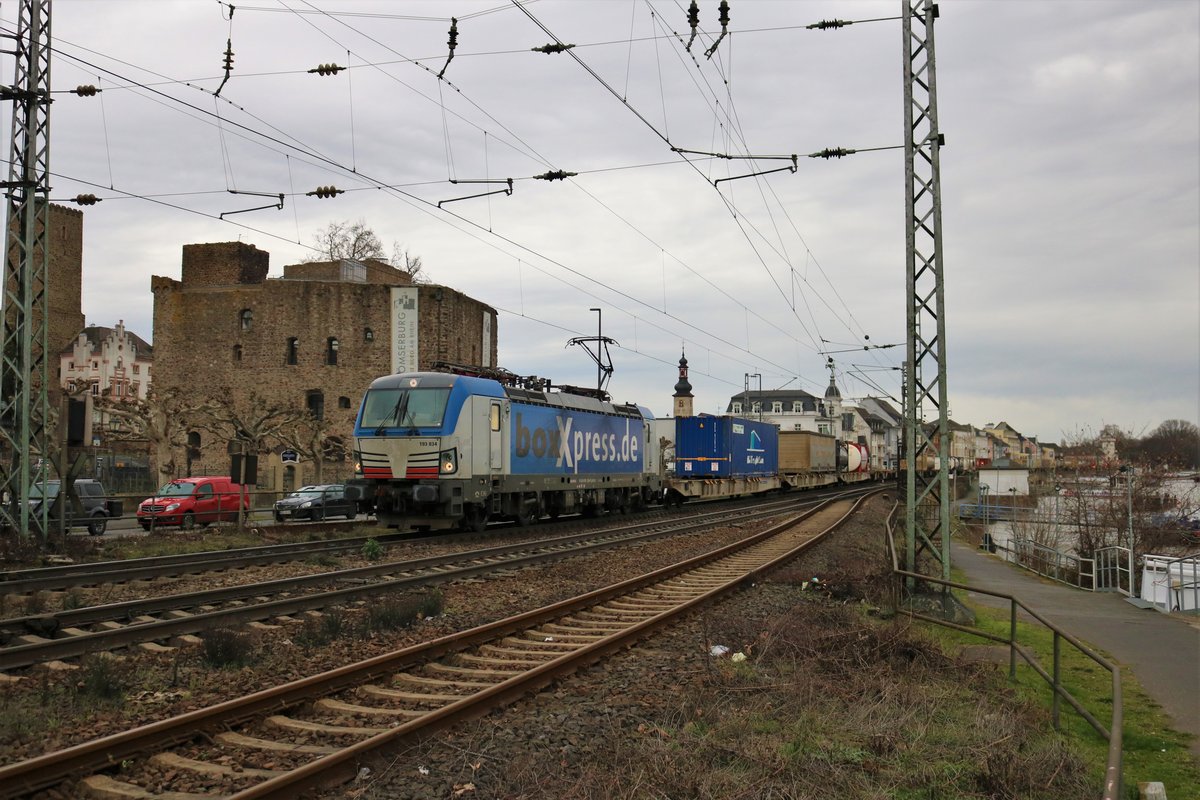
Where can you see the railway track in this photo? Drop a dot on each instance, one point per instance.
(34, 639)
(96, 573)
(315, 731)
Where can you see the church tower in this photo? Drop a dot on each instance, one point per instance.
(683, 390)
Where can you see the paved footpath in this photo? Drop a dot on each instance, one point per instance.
(1161, 651)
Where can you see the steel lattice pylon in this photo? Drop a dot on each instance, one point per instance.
(926, 450)
(23, 366)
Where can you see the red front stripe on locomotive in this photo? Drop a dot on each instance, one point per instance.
(421, 472)
(384, 473)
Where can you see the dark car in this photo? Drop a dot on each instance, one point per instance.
(316, 502)
(95, 507)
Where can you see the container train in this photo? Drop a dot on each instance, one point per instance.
(438, 450)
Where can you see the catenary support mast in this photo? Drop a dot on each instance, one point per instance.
(926, 449)
(24, 442)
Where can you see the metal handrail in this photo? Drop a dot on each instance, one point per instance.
(1113, 770)
(1191, 560)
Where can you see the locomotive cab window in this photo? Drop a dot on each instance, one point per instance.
(404, 408)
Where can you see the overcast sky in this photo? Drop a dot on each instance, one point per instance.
(1070, 182)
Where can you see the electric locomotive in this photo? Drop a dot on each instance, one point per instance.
(438, 450)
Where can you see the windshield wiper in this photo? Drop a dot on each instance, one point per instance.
(399, 411)
(407, 414)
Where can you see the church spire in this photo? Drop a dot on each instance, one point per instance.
(683, 390)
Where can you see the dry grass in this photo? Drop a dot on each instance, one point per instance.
(830, 703)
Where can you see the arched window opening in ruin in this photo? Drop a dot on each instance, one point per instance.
(331, 351)
(315, 402)
(246, 318)
(343, 402)
(293, 350)
(237, 352)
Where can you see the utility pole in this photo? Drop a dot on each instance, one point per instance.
(927, 506)
(25, 446)
(750, 375)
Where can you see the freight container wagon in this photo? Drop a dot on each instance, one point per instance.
(807, 459)
(722, 457)
(725, 447)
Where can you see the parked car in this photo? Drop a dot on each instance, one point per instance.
(97, 509)
(188, 502)
(316, 502)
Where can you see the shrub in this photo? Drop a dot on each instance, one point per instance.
(319, 631)
(390, 615)
(35, 603)
(100, 677)
(73, 599)
(372, 550)
(225, 647)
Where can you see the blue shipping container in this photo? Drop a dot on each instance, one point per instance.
(725, 447)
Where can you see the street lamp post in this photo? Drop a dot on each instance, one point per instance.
(983, 496)
(1128, 470)
(599, 340)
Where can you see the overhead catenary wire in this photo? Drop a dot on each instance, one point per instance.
(731, 117)
(660, 134)
(733, 211)
(510, 132)
(489, 226)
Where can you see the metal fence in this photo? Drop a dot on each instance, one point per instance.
(1172, 584)
(1053, 677)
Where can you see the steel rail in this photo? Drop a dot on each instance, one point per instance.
(41, 772)
(97, 572)
(94, 573)
(433, 570)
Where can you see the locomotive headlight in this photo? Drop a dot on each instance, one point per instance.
(448, 462)
(357, 463)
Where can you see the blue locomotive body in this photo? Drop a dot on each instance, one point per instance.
(439, 450)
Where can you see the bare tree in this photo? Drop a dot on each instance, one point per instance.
(251, 421)
(354, 240)
(1174, 443)
(346, 239)
(403, 258)
(160, 421)
(312, 438)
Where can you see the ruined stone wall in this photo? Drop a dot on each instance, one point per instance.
(223, 264)
(206, 343)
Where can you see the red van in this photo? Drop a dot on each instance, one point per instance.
(188, 502)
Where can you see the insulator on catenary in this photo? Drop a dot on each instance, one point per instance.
(826, 24)
(325, 191)
(327, 69)
(555, 175)
(86, 199)
(85, 91)
(228, 55)
(832, 152)
(552, 48)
